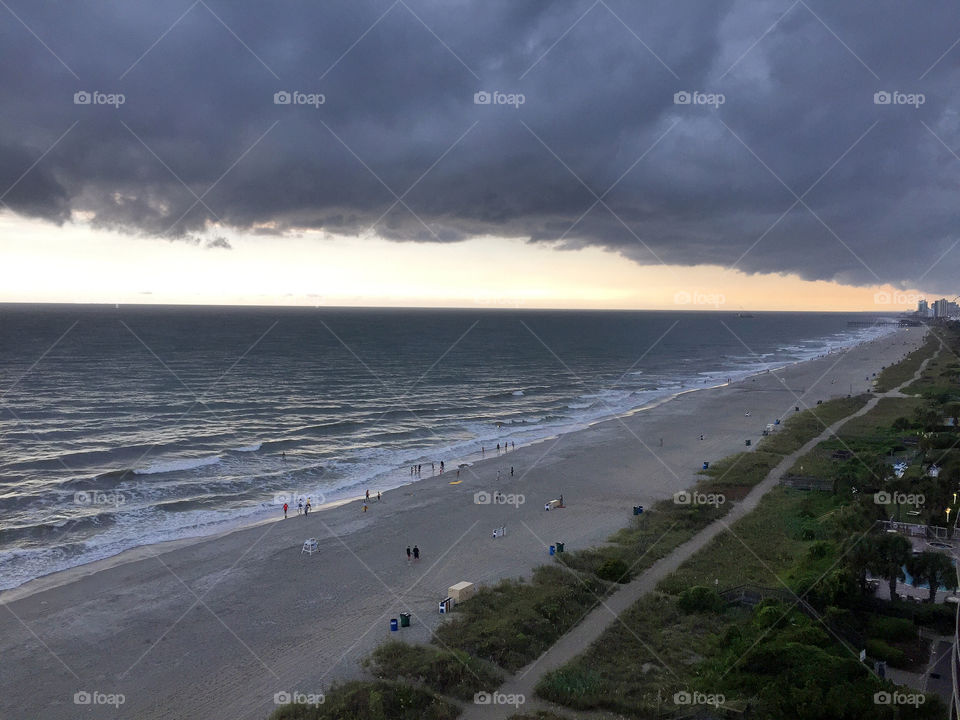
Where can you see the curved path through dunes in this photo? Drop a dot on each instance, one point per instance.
(609, 610)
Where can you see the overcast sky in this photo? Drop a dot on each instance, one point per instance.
(785, 160)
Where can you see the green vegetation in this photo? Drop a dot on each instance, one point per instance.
(802, 427)
(453, 673)
(513, 622)
(773, 613)
(700, 599)
(633, 667)
(897, 374)
(372, 701)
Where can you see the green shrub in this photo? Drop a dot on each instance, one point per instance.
(820, 550)
(891, 629)
(700, 599)
(449, 672)
(614, 570)
(938, 617)
(879, 650)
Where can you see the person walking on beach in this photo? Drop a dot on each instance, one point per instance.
(416, 552)
(300, 506)
(306, 508)
(408, 553)
(441, 467)
(368, 494)
(511, 471)
(378, 496)
(284, 511)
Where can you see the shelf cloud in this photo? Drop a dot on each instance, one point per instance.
(808, 138)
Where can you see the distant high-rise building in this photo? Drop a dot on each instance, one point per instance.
(941, 308)
(922, 308)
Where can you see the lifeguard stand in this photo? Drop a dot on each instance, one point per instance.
(309, 546)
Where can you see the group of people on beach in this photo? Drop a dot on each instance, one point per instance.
(506, 446)
(415, 553)
(418, 469)
(301, 508)
(304, 509)
(366, 500)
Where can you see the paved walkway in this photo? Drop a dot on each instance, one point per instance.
(603, 616)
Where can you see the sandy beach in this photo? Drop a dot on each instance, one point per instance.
(215, 628)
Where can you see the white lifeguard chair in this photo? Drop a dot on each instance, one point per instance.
(309, 546)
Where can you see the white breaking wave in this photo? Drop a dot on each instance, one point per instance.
(181, 464)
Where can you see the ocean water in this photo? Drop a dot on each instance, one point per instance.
(131, 425)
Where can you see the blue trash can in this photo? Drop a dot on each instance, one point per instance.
(393, 625)
(552, 550)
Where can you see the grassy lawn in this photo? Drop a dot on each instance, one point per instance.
(637, 665)
(894, 375)
(767, 547)
(802, 427)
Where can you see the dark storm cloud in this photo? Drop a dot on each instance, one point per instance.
(799, 169)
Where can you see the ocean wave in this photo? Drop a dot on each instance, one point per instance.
(178, 465)
(248, 448)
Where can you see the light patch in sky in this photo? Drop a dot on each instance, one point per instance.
(40, 262)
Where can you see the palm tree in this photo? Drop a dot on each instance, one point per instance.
(934, 568)
(890, 554)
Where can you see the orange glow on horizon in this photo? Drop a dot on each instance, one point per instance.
(75, 263)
